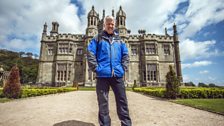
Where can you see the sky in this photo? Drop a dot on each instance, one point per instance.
(200, 26)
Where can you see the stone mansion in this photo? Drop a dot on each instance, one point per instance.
(63, 59)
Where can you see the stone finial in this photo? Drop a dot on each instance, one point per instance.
(103, 13)
(174, 28)
(166, 31)
(45, 28)
(113, 12)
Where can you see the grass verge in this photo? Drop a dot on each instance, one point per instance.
(211, 105)
(2, 100)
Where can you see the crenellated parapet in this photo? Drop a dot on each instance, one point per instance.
(69, 36)
(72, 37)
(162, 38)
(49, 38)
(157, 37)
(133, 38)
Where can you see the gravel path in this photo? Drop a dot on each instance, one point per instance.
(79, 108)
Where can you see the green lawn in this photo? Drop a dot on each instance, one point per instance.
(86, 88)
(2, 100)
(94, 88)
(212, 105)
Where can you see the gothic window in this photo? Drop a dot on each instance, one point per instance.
(150, 49)
(58, 77)
(62, 72)
(50, 49)
(166, 49)
(79, 52)
(91, 19)
(151, 72)
(133, 50)
(63, 48)
(70, 48)
(144, 75)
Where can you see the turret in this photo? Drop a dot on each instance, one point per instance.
(45, 29)
(93, 20)
(177, 53)
(120, 18)
(100, 23)
(113, 12)
(54, 30)
(120, 22)
(44, 33)
(166, 34)
(103, 14)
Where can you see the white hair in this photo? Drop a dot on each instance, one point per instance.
(108, 17)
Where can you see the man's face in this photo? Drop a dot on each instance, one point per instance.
(109, 26)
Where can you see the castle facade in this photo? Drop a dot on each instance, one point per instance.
(63, 59)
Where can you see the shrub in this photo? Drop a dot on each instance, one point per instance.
(172, 84)
(1, 93)
(44, 91)
(185, 92)
(12, 87)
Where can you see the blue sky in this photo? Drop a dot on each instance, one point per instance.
(200, 27)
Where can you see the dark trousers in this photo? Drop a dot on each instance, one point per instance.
(102, 89)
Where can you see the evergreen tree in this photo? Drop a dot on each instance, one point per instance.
(12, 87)
(172, 84)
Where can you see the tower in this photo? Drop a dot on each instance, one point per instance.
(177, 53)
(120, 22)
(93, 20)
(54, 30)
(45, 29)
(91, 31)
(44, 33)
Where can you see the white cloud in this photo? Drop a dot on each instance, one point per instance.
(198, 15)
(204, 72)
(26, 18)
(23, 19)
(149, 15)
(190, 49)
(196, 64)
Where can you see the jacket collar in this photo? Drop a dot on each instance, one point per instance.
(114, 36)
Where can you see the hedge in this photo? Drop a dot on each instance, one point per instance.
(30, 92)
(185, 92)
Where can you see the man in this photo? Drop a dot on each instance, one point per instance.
(108, 57)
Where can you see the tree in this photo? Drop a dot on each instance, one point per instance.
(190, 84)
(172, 84)
(12, 87)
(212, 85)
(200, 84)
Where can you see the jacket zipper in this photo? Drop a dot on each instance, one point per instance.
(112, 72)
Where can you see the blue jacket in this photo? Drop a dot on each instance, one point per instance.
(107, 55)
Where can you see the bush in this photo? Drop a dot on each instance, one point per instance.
(172, 84)
(185, 92)
(1, 93)
(45, 91)
(12, 87)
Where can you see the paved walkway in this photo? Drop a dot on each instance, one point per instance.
(79, 108)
